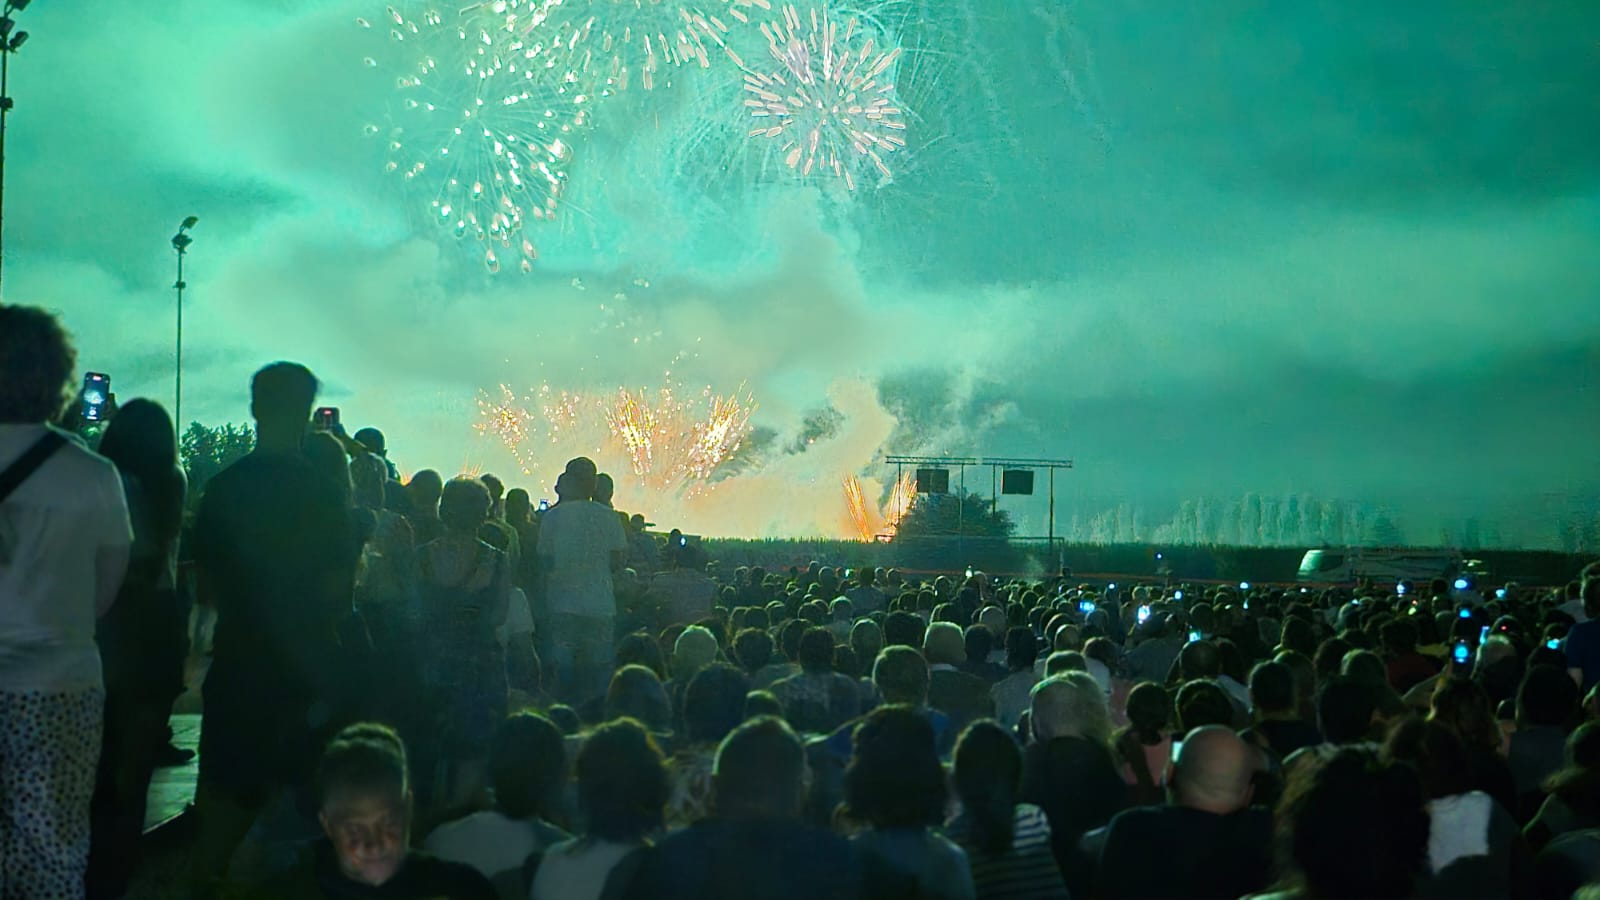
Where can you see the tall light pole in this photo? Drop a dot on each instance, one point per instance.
(10, 42)
(180, 243)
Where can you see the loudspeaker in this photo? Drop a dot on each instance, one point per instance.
(1016, 481)
(933, 481)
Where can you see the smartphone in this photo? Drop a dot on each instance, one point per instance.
(326, 418)
(1244, 585)
(969, 571)
(1483, 635)
(544, 505)
(1461, 584)
(1462, 654)
(683, 541)
(1177, 595)
(1194, 636)
(96, 396)
(1086, 606)
(1112, 586)
(1398, 589)
(1464, 613)
(1355, 601)
(1553, 643)
(1500, 593)
(1144, 614)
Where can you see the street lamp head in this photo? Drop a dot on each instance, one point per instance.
(18, 5)
(17, 41)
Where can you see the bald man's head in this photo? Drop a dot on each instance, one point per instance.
(1214, 771)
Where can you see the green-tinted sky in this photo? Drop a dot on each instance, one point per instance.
(1349, 250)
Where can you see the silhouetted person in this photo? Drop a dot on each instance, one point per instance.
(275, 555)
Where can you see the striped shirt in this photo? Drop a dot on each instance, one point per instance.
(1027, 871)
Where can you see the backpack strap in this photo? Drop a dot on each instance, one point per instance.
(29, 462)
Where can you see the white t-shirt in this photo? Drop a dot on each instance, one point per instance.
(519, 617)
(577, 869)
(490, 842)
(51, 528)
(579, 538)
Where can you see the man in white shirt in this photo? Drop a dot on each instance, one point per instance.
(581, 543)
(64, 543)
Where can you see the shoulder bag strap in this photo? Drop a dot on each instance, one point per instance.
(29, 462)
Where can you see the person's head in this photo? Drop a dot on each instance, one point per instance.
(1461, 705)
(463, 506)
(1272, 689)
(1329, 658)
(364, 802)
(866, 639)
(1344, 711)
(622, 782)
(369, 479)
(494, 486)
(1022, 648)
(901, 676)
(281, 397)
(36, 364)
(789, 638)
(988, 777)
(325, 454)
(760, 772)
(578, 482)
(752, 649)
(1366, 667)
(140, 441)
(604, 489)
(1547, 697)
(639, 649)
(903, 628)
(424, 490)
(1298, 636)
(979, 644)
(1399, 637)
(1201, 703)
(1214, 771)
(372, 439)
(758, 704)
(519, 509)
(1434, 752)
(1149, 711)
(841, 610)
(944, 644)
(816, 650)
(894, 779)
(527, 766)
(636, 693)
(694, 649)
(1064, 661)
(714, 703)
(1199, 659)
(1354, 827)
(1070, 706)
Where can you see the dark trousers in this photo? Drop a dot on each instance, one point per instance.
(134, 728)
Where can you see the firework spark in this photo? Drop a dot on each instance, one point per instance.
(483, 123)
(901, 496)
(857, 505)
(654, 443)
(830, 99)
(610, 46)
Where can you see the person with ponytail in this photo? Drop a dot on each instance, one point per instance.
(1007, 842)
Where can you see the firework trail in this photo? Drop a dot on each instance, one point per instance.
(826, 96)
(901, 496)
(611, 46)
(482, 124)
(857, 506)
(656, 444)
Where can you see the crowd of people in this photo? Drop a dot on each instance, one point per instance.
(433, 688)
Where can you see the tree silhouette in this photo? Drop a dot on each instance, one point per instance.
(943, 514)
(207, 451)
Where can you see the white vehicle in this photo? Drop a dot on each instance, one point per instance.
(1352, 564)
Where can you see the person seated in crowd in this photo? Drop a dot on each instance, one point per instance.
(818, 699)
(754, 845)
(896, 786)
(1013, 693)
(528, 769)
(1278, 727)
(961, 696)
(683, 593)
(365, 807)
(1069, 770)
(1573, 801)
(694, 649)
(636, 693)
(1462, 706)
(1144, 748)
(980, 646)
(423, 493)
(761, 703)
(865, 596)
(1547, 706)
(1351, 826)
(713, 705)
(1344, 718)
(1208, 839)
(622, 791)
(1471, 837)
(841, 619)
(1007, 842)
(1405, 667)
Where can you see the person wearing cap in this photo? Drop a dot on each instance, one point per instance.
(372, 439)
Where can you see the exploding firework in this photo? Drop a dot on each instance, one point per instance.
(654, 443)
(901, 496)
(610, 46)
(483, 122)
(868, 524)
(826, 96)
(857, 506)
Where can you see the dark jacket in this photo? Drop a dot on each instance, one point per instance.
(964, 698)
(1200, 854)
(1077, 784)
(421, 877)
